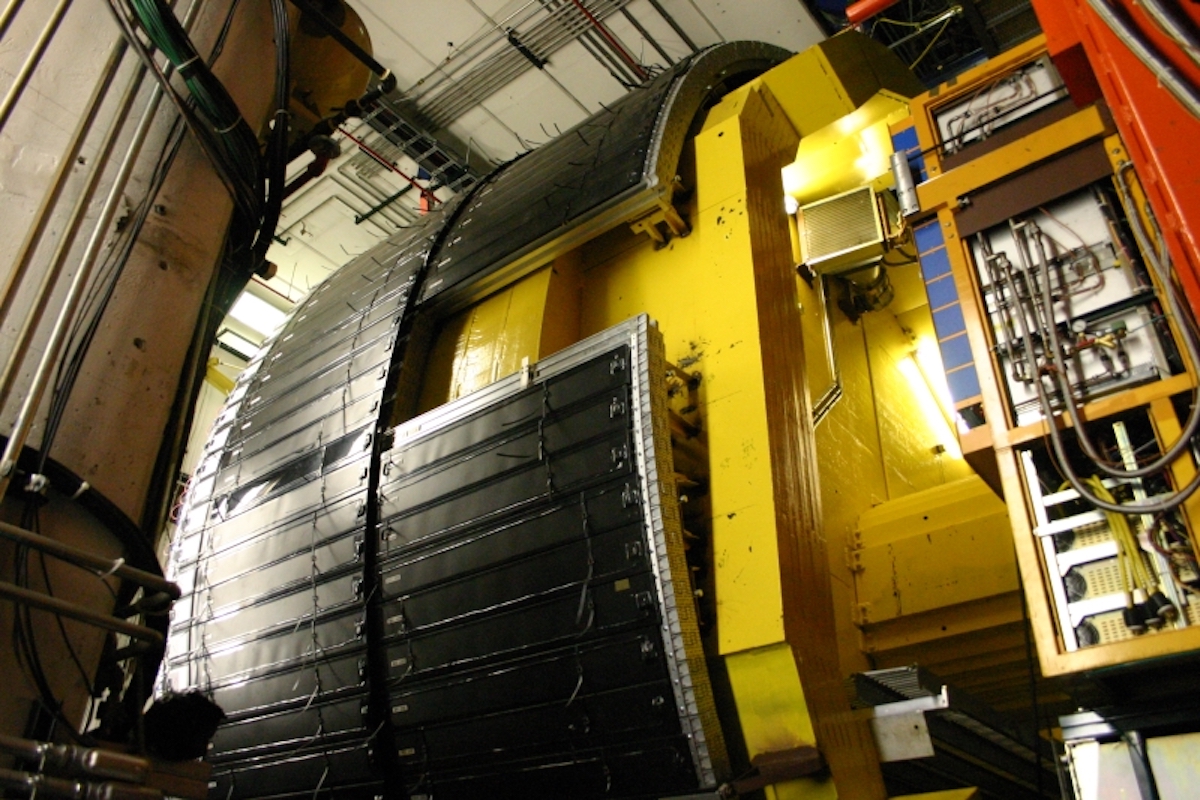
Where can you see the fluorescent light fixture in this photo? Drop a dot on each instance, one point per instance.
(257, 314)
(934, 416)
(238, 344)
(929, 361)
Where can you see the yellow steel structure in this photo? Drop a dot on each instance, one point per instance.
(933, 549)
(785, 495)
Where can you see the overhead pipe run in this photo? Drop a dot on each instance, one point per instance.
(75, 292)
(45, 369)
(58, 261)
(31, 61)
(75, 296)
(66, 165)
(637, 68)
(670, 20)
(366, 148)
(6, 16)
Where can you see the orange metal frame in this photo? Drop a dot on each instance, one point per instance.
(1162, 138)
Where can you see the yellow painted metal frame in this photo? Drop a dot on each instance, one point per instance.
(925, 108)
(944, 190)
(726, 298)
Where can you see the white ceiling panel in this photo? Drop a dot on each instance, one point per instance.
(486, 136)
(577, 70)
(330, 229)
(695, 21)
(388, 27)
(434, 29)
(786, 23)
(535, 108)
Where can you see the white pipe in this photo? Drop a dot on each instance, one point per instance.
(66, 163)
(50, 356)
(31, 61)
(7, 15)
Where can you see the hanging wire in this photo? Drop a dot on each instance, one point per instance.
(932, 42)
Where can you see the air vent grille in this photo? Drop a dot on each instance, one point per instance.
(841, 226)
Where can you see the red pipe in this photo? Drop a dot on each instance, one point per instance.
(608, 37)
(865, 9)
(425, 193)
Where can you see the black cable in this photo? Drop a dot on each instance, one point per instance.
(88, 321)
(245, 195)
(62, 630)
(277, 149)
(25, 640)
(105, 284)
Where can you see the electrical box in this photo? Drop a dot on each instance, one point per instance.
(999, 103)
(1070, 261)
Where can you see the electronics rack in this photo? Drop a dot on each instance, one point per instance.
(1054, 315)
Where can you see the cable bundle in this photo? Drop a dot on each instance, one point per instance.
(1145, 603)
(254, 179)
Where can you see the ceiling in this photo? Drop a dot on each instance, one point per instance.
(481, 81)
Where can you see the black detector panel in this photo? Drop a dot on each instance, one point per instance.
(481, 601)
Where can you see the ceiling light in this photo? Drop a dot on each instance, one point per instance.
(257, 314)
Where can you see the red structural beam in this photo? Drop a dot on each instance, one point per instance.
(865, 9)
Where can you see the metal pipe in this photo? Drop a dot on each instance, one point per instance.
(920, 30)
(39, 785)
(42, 218)
(62, 608)
(1164, 73)
(533, 57)
(607, 59)
(31, 61)
(359, 219)
(91, 761)
(450, 103)
(7, 15)
(670, 20)
(82, 558)
(428, 195)
(53, 271)
(42, 375)
(454, 62)
(1174, 27)
(605, 56)
(562, 26)
(45, 369)
(612, 41)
